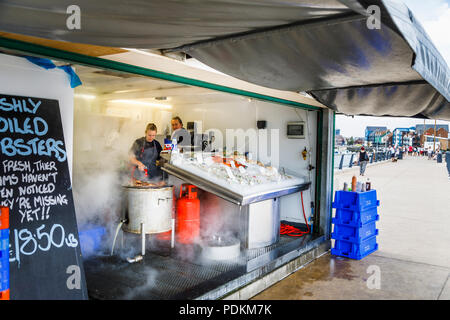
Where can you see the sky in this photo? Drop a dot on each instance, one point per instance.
(434, 16)
(355, 127)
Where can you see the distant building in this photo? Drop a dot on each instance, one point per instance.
(381, 138)
(428, 139)
(419, 127)
(371, 132)
(371, 138)
(400, 137)
(388, 139)
(339, 140)
(410, 139)
(415, 140)
(359, 140)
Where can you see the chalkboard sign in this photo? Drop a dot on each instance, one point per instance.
(45, 256)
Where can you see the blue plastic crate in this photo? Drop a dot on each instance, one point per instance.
(354, 250)
(4, 244)
(4, 233)
(4, 262)
(357, 224)
(356, 218)
(4, 280)
(4, 255)
(354, 234)
(356, 201)
(90, 240)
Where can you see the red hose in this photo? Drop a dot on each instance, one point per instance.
(292, 231)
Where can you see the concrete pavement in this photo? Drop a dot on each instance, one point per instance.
(413, 259)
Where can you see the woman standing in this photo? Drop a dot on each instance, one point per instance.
(144, 155)
(363, 159)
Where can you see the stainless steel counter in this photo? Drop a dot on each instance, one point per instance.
(229, 195)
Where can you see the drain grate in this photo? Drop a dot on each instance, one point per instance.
(165, 276)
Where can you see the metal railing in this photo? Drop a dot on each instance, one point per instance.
(346, 160)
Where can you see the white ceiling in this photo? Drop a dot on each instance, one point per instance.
(112, 85)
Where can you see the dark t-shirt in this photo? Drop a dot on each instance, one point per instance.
(140, 143)
(363, 156)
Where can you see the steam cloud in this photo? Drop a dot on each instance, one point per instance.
(101, 146)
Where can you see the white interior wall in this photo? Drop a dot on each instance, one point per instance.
(243, 115)
(278, 116)
(20, 77)
(102, 142)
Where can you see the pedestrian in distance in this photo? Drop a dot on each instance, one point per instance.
(447, 161)
(392, 152)
(363, 160)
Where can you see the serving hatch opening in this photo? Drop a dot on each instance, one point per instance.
(110, 112)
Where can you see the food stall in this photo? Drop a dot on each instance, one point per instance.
(286, 53)
(244, 198)
(253, 177)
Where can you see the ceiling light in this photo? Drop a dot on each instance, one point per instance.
(143, 103)
(85, 96)
(126, 91)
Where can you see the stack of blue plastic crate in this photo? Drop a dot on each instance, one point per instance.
(4, 260)
(355, 231)
(4, 253)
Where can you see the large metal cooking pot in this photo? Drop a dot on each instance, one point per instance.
(151, 206)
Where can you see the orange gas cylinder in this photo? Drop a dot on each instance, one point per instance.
(188, 214)
(4, 295)
(4, 218)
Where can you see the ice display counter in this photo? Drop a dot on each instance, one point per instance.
(237, 180)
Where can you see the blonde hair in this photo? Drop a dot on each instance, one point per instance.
(151, 126)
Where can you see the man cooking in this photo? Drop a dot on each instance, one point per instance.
(178, 132)
(144, 155)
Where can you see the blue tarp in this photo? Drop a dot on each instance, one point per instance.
(48, 64)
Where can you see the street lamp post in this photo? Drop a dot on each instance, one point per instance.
(434, 141)
(376, 142)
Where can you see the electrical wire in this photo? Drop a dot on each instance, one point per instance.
(292, 231)
(310, 154)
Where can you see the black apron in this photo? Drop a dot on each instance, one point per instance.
(148, 157)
